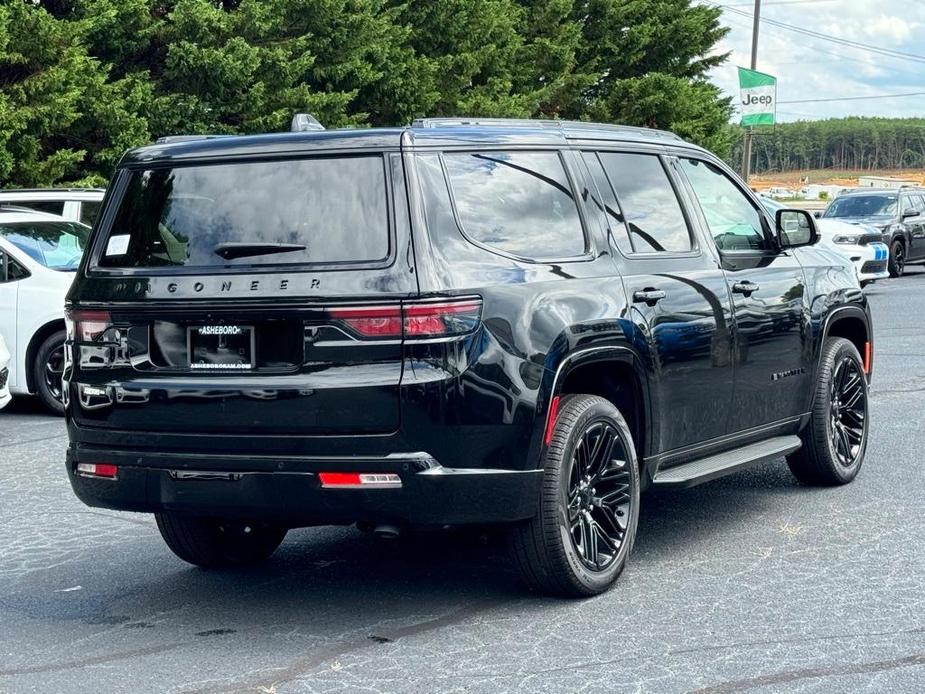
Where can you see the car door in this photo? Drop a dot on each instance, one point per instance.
(681, 309)
(11, 273)
(773, 347)
(913, 205)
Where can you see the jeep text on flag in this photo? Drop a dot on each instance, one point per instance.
(758, 101)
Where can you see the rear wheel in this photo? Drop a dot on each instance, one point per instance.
(835, 439)
(578, 543)
(214, 543)
(897, 262)
(47, 370)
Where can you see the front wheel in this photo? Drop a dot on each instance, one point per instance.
(578, 543)
(47, 372)
(835, 439)
(215, 543)
(897, 264)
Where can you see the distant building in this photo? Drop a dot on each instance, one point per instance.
(886, 182)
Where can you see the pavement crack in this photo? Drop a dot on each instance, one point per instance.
(813, 673)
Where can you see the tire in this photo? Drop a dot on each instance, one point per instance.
(835, 440)
(897, 264)
(215, 543)
(550, 549)
(50, 355)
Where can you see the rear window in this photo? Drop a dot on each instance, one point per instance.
(331, 210)
(517, 202)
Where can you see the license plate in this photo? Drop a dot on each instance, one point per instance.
(221, 347)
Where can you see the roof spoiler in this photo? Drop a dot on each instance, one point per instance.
(304, 122)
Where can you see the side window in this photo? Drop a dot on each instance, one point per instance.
(650, 207)
(606, 203)
(516, 202)
(735, 223)
(10, 270)
(89, 209)
(56, 207)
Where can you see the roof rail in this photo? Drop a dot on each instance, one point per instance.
(168, 139)
(561, 125)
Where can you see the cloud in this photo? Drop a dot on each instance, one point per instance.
(812, 68)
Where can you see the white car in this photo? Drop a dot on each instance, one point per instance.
(861, 244)
(4, 374)
(38, 256)
(75, 204)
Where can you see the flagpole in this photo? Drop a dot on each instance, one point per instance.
(747, 154)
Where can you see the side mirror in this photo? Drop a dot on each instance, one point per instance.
(818, 214)
(910, 213)
(796, 228)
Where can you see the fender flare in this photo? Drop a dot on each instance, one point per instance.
(582, 357)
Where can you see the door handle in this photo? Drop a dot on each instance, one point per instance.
(745, 287)
(649, 296)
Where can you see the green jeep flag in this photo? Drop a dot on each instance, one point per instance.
(758, 93)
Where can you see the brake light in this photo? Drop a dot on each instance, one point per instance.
(443, 319)
(106, 470)
(87, 326)
(370, 321)
(411, 320)
(357, 480)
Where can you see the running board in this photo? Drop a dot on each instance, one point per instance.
(714, 466)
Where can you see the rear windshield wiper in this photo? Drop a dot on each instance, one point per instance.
(229, 251)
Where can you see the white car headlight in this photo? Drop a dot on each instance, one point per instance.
(847, 239)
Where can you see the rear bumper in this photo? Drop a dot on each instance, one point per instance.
(287, 489)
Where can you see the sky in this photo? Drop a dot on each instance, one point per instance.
(812, 68)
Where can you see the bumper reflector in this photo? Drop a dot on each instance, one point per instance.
(359, 480)
(106, 470)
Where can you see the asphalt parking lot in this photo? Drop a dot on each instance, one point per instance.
(751, 583)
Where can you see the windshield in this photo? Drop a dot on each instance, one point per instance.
(862, 206)
(56, 245)
(327, 210)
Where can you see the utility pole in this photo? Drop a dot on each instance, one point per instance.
(747, 154)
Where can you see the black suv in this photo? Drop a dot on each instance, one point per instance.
(484, 322)
(898, 213)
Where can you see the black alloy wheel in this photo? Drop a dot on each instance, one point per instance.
(599, 496)
(578, 542)
(835, 440)
(848, 411)
(48, 370)
(897, 263)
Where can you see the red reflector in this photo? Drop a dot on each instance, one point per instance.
(551, 419)
(98, 470)
(359, 479)
(339, 479)
(867, 356)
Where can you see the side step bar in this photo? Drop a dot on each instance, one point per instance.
(714, 466)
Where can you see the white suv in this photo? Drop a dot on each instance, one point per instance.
(76, 204)
(38, 256)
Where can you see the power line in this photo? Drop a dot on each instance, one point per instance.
(827, 37)
(851, 98)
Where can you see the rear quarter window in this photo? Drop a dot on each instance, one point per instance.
(519, 203)
(336, 207)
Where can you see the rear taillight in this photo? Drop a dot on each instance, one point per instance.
(87, 326)
(412, 320)
(106, 470)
